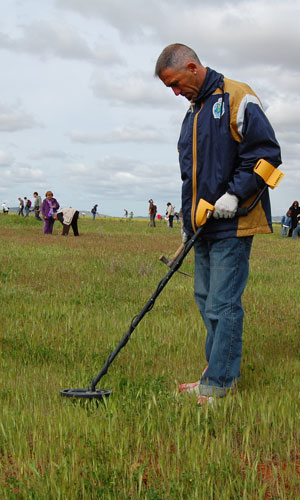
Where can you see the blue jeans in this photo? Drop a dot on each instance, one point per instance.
(296, 232)
(284, 232)
(221, 274)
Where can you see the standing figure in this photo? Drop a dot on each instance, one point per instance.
(170, 214)
(68, 217)
(295, 211)
(286, 224)
(94, 211)
(21, 207)
(37, 205)
(223, 136)
(27, 203)
(49, 208)
(152, 212)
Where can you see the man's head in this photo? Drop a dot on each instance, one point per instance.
(179, 68)
(35, 194)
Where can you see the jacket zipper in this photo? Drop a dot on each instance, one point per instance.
(194, 183)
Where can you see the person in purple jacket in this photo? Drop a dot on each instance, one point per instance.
(49, 208)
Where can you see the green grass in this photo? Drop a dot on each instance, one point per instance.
(65, 305)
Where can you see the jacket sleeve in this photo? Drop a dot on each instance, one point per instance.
(257, 141)
(45, 208)
(56, 204)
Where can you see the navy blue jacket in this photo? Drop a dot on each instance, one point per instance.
(224, 134)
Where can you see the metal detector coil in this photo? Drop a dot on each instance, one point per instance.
(99, 394)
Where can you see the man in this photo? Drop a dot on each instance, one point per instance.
(37, 205)
(21, 207)
(94, 211)
(224, 134)
(152, 212)
(27, 204)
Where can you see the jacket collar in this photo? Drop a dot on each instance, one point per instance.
(212, 81)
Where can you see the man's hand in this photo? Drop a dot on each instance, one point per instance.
(226, 206)
(185, 237)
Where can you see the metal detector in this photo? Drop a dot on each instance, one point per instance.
(204, 212)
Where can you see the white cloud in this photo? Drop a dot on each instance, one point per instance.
(52, 154)
(125, 176)
(125, 133)
(14, 118)
(134, 89)
(6, 159)
(18, 174)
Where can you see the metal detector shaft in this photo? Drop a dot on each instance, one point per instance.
(242, 211)
(147, 307)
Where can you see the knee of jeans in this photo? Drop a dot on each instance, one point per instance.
(215, 310)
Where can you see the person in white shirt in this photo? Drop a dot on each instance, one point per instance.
(68, 217)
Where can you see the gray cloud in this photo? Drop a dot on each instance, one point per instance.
(118, 176)
(13, 118)
(42, 39)
(52, 154)
(272, 36)
(18, 174)
(140, 88)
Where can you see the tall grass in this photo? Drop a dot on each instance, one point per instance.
(65, 304)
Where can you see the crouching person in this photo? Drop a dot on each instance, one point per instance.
(68, 217)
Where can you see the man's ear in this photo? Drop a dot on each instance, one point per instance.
(191, 66)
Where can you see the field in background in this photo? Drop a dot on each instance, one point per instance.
(65, 304)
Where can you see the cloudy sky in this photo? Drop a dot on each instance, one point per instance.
(81, 113)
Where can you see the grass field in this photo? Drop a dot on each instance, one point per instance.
(65, 304)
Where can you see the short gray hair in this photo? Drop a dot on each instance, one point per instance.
(176, 56)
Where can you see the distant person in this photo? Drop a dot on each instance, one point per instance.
(286, 224)
(49, 208)
(295, 211)
(5, 208)
(170, 214)
(68, 217)
(27, 205)
(125, 213)
(296, 230)
(37, 205)
(131, 215)
(21, 207)
(94, 211)
(152, 212)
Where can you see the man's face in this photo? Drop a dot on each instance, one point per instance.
(182, 82)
